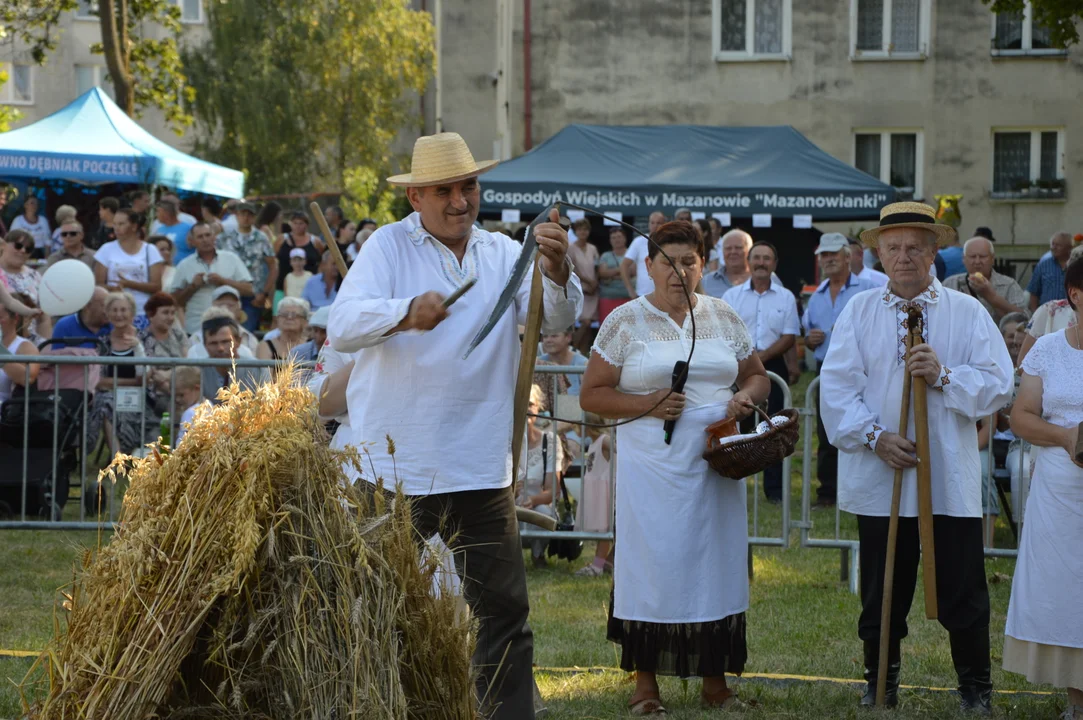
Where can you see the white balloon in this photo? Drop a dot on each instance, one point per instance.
(66, 288)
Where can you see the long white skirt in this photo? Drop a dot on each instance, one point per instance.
(682, 530)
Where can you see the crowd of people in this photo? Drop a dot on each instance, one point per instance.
(239, 283)
(160, 283)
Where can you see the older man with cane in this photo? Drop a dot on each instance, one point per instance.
(962, 360)
(451, 417)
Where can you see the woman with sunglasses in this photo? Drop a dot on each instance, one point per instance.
(18, 276)
(14, 245)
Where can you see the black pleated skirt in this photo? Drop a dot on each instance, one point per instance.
(705, 649)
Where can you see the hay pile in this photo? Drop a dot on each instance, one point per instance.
(246, 581)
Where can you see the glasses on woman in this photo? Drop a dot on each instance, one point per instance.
(68, 233)
(25, 247)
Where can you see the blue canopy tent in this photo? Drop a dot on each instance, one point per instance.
(92, 141)
(638, 169)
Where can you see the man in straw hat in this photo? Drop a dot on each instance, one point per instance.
(451, 418)
(969, 374)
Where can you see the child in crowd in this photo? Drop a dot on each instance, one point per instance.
(295, 282)
(596, 506)
(189, 397)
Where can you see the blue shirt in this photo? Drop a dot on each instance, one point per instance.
(822, 313)
(71, 326)
(316, 294)
(575, 380)
(1047, 282)
(179, 235)
(953, 261)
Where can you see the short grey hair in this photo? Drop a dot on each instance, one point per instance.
(748, 241)
(979, 238)
(74, 222)
(1010, 319)
(1077, 254)
(299, 304)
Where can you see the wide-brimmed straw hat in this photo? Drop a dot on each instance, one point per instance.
(911, 215)
(441, 158)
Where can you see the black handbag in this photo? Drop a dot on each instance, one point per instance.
(566, 549)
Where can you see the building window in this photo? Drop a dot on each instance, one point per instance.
(751, 29)
(90, 76)
(19, 88)
(893, 157)
(87, 10)
(1027, 164)
(1016, 34)
(896, 29)
(191, 10)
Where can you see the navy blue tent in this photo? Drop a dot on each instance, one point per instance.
(635, 170)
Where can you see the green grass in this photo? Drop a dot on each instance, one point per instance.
(802, 621)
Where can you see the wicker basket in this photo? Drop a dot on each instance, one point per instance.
(744, 458)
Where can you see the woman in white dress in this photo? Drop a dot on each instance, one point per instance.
(1044, 634)
(680, 582)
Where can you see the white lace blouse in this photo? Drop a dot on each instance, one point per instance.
(644, 343)
(1060, 366)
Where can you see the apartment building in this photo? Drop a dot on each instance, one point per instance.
(931, 96)
(37, 91)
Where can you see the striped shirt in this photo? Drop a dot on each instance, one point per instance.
(1048, 281)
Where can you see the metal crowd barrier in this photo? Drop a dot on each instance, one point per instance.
(19, 450)
(782, 540)
(850, 546)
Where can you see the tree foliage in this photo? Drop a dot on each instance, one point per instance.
(307, 93)
(139, 42)
(8, 114)
(1060, 16)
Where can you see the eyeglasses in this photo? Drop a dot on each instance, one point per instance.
(69, 233)
(25, 247)
(291, 316)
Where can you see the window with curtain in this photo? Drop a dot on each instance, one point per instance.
(870, 25)
(1011, 161)
(904, 152)
(867, 153)
(191, 10)
(905, 26)
(767, 28)
(1009, 31)
(1049, 160)
(87, 9)
(733, 25)
(22, 83)
(765, 36)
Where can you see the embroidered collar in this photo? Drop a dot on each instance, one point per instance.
(929, 296)
(851, 281)
(417, 232)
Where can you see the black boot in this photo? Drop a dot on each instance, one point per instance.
(872, 665)
(970, 654)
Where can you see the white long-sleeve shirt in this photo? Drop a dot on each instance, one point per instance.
(861, 391)
(450, 418)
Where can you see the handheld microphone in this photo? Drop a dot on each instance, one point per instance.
(680, 374)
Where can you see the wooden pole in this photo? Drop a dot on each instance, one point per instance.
(331, 244)
(925, 489)
(892, 539)
(527, 359)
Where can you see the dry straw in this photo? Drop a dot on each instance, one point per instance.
(246, 580)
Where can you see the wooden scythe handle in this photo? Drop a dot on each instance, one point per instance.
(525, 379)
(892, 538)
(331, 244)
(925, 489)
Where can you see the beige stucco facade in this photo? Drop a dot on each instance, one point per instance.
(653, 62)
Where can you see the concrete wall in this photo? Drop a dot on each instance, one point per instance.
(55, 83)
(652, 62)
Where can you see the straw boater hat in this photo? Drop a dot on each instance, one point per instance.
(442, 158)
(911, 215)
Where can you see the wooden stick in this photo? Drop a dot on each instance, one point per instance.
(925, 488)
(331, 244)
(892, 539)
(525, 379)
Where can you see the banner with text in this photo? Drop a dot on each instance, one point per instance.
(784, 203)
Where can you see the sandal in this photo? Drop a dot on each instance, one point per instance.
(725, 700)
(647, 706)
